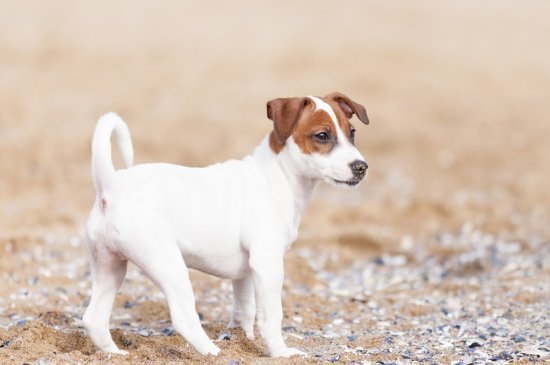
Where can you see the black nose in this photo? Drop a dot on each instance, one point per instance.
(359, 168)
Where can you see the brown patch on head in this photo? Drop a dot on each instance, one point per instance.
(348, 106)
(309, 131)
(313, 130)
(285, 113)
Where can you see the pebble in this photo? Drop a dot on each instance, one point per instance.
(225, 336)
(474, 345)
(335, 358)
(126, 342)
(167, 331)
(128, 304)
(143, 332)
(519, 338)
(406, 354)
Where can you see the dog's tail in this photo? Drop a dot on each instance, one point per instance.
(103, 170)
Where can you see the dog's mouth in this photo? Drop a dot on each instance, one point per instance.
(351, 182)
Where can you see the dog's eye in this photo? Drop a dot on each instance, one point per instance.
(322, 137)
(352, 134)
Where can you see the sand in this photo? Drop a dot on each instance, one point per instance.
(451, 228)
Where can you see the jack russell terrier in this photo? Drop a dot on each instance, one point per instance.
(233, 220)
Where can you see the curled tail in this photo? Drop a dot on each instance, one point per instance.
(103, 170)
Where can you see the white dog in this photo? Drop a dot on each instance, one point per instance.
(234, 219)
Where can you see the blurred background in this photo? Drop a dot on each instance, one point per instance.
(457, 94)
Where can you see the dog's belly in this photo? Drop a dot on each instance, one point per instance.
(232, 265)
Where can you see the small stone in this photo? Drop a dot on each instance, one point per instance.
(128, 304)
(225, 336)
(519, 338)
(5, 343)
(300, 337)
(505, 355)
(335, 358)
(474, 344)
(20, 322)
(167, 331)
(352, 338)
(233, 362)
(143, 332)
(126, 342)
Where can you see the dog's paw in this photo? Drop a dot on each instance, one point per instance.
(248, 328)
(118, 351)
(287, 352)
(211, 349)
(249, 333)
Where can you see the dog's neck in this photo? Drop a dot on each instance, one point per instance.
(301, 186)
(279, 165)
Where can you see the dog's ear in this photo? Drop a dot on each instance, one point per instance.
(285, 113)
(349, 107)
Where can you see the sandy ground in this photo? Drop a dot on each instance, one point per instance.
(442, 255)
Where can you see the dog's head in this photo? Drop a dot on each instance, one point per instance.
(316, 134)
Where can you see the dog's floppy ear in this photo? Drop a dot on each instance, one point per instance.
(349, 107)
(285, 112)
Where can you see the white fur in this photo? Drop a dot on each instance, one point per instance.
(234, 220)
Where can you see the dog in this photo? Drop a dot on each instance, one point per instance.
(233, 220)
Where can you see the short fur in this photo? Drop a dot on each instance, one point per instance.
(234, 219)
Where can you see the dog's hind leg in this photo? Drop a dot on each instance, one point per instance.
(244, 308)
(165, 267)
(108, 272)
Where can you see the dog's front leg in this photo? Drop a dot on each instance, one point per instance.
(244, 309)
(268, 274)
